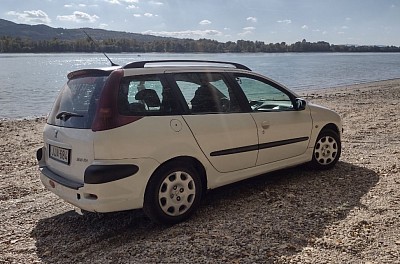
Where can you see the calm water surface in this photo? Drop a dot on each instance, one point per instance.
(29, 83)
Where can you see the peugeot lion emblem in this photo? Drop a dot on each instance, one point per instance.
(55, 133)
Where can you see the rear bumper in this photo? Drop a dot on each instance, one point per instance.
(103, 195)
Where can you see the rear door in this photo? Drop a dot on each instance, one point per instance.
(226, 135)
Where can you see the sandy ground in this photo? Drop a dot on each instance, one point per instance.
(346, 215)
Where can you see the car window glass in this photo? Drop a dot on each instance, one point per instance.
(207, 93)
(78, 101)
(145, 95)
(263, 96)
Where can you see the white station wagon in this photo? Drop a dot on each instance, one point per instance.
(158, 134)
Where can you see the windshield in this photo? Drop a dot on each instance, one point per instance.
(76, 104)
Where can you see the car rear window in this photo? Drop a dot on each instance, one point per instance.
(76, 104)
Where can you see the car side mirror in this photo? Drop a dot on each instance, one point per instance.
(300, 104)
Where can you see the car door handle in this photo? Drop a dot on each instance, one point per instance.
(265, 124)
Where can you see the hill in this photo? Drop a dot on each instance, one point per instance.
(43, 32)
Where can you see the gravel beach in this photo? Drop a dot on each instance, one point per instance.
(349, 214)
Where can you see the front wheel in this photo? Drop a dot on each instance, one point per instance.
(173, 194)
(327, 150)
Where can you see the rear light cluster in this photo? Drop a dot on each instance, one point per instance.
(107, 116)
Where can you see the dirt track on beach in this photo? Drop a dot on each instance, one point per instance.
(346, 215)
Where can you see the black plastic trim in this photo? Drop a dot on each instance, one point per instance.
(258, 146)
(97, 174)
(88, 72)
(282, 142)
(61, 180)
(234, 150)
(39, 154)
(141, 64)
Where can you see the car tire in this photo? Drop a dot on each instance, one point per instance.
(173, 193)
(327, 150)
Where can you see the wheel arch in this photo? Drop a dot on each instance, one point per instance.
(195, 163)
(333, 127)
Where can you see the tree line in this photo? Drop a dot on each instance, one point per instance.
(19, 45)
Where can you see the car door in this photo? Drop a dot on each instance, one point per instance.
(283, 131)
(225, 133)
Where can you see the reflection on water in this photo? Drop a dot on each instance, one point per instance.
(29, 83)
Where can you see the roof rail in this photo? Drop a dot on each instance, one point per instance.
(141, 64)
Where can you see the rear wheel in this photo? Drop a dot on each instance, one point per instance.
(327, 150)
(173, 194)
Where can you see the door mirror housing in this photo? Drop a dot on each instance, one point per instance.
(300, 104)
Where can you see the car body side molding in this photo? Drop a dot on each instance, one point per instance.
(258, 146)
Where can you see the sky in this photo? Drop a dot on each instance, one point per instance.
(359, 22)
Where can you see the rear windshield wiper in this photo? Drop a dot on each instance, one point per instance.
(64, 115)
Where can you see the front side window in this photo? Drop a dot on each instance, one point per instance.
(145, 95)
(207, 93)
(264, 96)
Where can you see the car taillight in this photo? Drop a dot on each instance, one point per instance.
(107, 116)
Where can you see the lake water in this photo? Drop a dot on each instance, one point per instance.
(29, 83)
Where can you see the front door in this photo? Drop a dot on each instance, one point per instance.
(283, 132)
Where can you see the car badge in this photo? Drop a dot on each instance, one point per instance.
(55, 133)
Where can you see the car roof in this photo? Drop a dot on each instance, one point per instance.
(161, 64)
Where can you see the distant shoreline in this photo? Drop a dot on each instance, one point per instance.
(20, 44)
(198, 52)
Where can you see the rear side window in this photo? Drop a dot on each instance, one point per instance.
(145, 95)
(76, 104)
(207, 93)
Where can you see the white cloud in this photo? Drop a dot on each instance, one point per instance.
(149, 15)
(304, 27)
(252, 19)
(78, 17)
(33, 16)
(247, 31)
(145, 15)
(73, 5)
(205, 22)
(156, 3)
(113, 2)
(249, 28)
(119, 2)
(132, 7)
(285, 21)
(345, 27)
(348, 18)
(195, 34)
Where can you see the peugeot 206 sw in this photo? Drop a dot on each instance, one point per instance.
(158, 134)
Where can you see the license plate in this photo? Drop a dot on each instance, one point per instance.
(59, 154)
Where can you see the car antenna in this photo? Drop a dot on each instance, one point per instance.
(97, 44)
